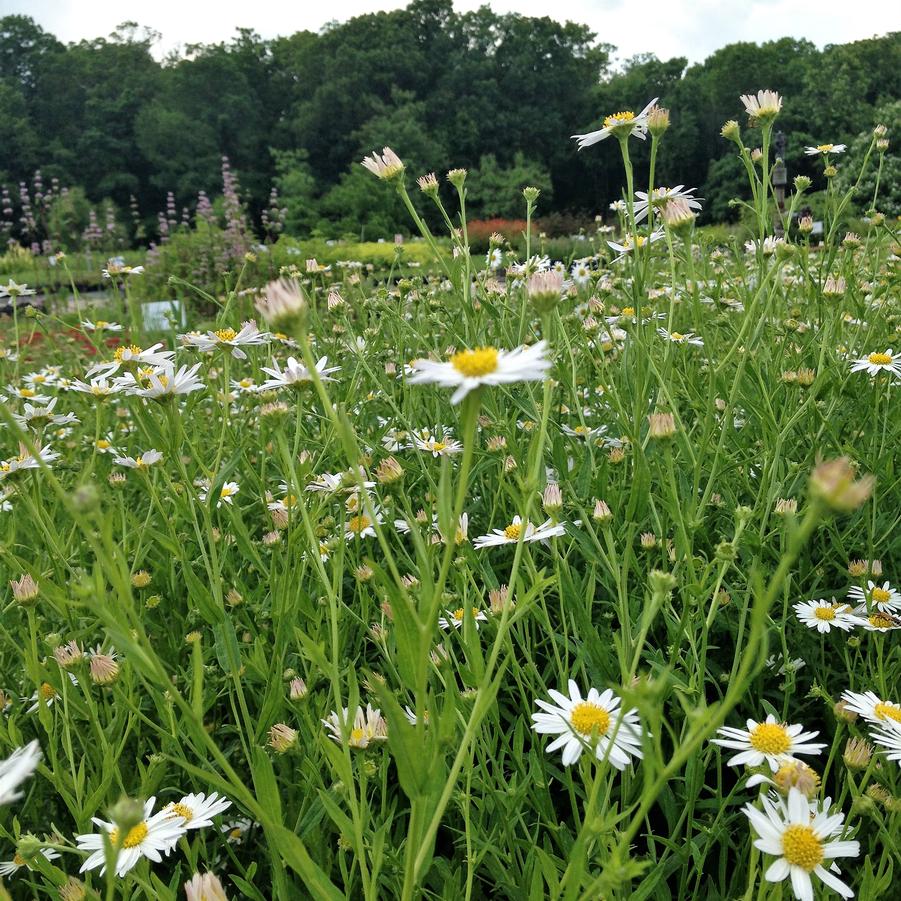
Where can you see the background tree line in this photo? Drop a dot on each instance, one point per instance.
(498, 94)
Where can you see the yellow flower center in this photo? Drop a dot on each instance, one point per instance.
(139, 463)
(628, 311)
(825, 148)
(356, 736)
(182, 810)
(587, 718)
(102, 444)
(795, 774)
(801, 847)
(513, 531)
(677, 336)
(475, 363)
(581, 429)
(358, 524)
(40, 379)
(887, 711)
(132, 350)
(245, 383)
(459, 613)
(226, 334)
(227, 491)
(620, 118)
(881, 621)
(101, 323)
(47, 691)
(26, 392)
(880, 359)
(770, 738)
(439, 446)
(235, 834)
(18, 860)
(135, 836)
(824, 613)
(880, 595)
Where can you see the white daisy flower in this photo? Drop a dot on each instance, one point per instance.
(824, 149)
(244, 386)
(680, 338)
(362, 525)
(368, 726)
(630, 242)
(660, 196)
(597, 723)
(11, 289)
(889, 737)
(878, 621)
(16, 769)
(26, 393)
(770, 243)
(583, 431)
(454, 619)
(27, 460)
(167, 382)
(295, 373)
(437, 447)
(131, 353)
(235, 831)
(623, 122)
(226, 493)
(197, 810)
(883, 597)
(528, 532)
(36, 417)
(100, 325)
(227, 338)
(119, 267)
(764, 105)
(471, 369)
(99, 388)
(155, 835)
(142, 461)
(871, 707)
(824, 616)
(802, 840)
(768, 741)
(876, 362)
(10, 867)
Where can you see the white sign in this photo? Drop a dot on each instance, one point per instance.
(163, 315)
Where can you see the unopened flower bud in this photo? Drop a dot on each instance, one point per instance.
(835, 483)
(25, 590)
(601, 513)
(389, 471)
(552, 499)
(731, 131)
(456, 177)
(428, 184)
(661, 425)
(205, 887)
(282, 738)
(658, 121)
(858, 754)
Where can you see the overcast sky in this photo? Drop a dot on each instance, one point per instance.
(692, 28)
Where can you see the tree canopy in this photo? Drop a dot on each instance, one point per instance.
(497, 93)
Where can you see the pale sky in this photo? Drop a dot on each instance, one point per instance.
(692, 28)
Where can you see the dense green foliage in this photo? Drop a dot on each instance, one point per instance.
(498, 94)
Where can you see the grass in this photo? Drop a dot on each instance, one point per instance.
(247, 611)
